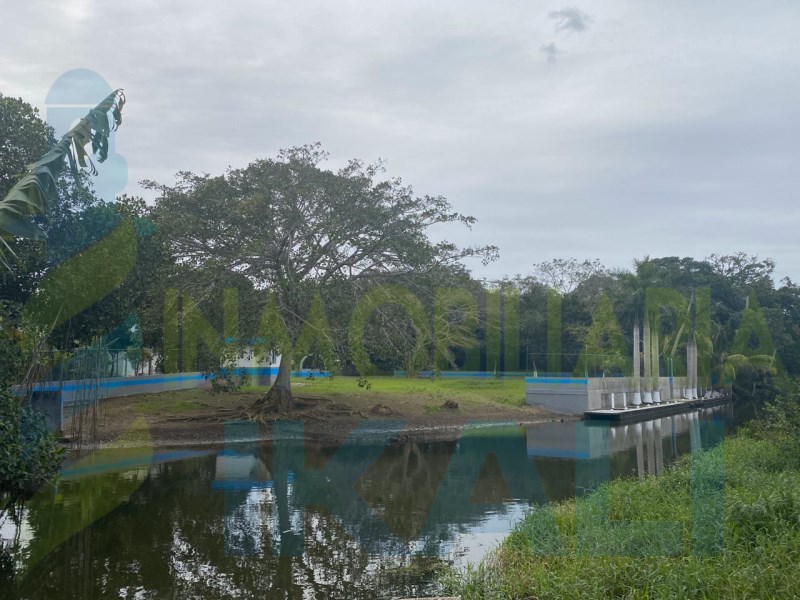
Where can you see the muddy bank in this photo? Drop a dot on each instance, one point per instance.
(197, 418)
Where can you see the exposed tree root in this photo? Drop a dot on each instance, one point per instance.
(278, 400)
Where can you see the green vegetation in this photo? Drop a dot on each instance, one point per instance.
(29, 454)
(549, 556)
(408, 397)
(39, 186)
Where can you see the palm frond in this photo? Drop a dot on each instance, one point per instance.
(32, 194)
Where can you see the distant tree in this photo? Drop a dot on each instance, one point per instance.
(565, 274)
(605, 347)
(782, 311)
(743, 270)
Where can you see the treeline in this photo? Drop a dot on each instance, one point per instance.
(290, 240)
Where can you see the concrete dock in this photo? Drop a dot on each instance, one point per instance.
(654, 411)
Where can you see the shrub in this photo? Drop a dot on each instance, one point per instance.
(227, 377)
(29, 454)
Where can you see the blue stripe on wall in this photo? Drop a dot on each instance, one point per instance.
(463, 374)
(558, 381)
(73, 386)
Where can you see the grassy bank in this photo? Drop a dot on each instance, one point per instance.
(410, 396)
(329, 408)
(430, 392)
(745, 504)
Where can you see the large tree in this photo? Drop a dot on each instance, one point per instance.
(294, 227)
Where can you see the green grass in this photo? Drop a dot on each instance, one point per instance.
(757, 556)
(501, 391)
(408, 397)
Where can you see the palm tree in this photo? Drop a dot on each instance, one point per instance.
(728, 364)
(32, 193)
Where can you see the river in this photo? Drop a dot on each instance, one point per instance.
(372, 518)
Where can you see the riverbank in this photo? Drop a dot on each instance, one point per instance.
(330, 410)
(724, 523)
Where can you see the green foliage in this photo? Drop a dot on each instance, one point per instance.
(315, 336)
(753, 336)
(78, 283)
(32, 193)
(272, 333)
(411, 343)
(780, 422)
(455, 322)
(25, 137)
(227, 377)
(12, 357)
(296, 228)
(83, 268)
(606, 349)
(29, 454)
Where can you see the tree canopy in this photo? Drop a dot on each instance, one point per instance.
(292, 226)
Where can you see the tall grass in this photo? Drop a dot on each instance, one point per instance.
(687, 539)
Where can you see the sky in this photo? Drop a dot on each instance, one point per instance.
(610, 130)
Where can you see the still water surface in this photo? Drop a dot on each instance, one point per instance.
(293, 520)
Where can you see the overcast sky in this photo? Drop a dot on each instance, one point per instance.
(612, 129)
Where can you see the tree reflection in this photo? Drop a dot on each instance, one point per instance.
(355, 527)
(295, 520)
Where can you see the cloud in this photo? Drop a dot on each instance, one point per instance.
(550, 51)
(571, 19)
(699, 132)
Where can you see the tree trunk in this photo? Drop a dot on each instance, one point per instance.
(279, 397)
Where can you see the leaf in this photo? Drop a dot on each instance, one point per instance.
(37, 188)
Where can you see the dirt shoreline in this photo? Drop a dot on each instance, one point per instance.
(198, 419)
(214, 436)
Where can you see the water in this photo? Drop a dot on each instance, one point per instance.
(294, 520)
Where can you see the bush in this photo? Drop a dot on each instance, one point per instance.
(780, 423)
(227, 377)
(29, 454)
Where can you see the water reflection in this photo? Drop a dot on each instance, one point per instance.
(294, 520)
(642, 448)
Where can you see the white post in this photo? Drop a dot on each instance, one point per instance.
(648, 366)
(655, 367)
(637, 396)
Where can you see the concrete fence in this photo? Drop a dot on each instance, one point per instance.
(54, 398)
